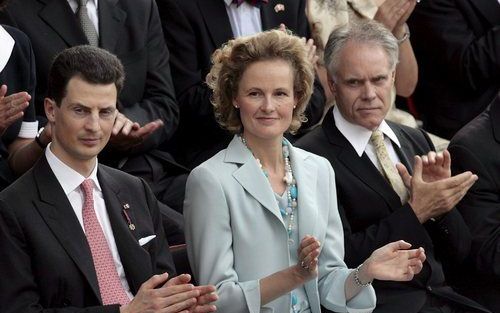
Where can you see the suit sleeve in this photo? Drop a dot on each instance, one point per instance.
(472, 60)
(332, 269)
(158, 100)
(209, 241)
(481, 209)
(18, 288)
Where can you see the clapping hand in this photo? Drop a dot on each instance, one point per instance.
(429, 198)
(394, 14)
(394, 261)
(176, 295)
(308, 253)
(11, 107)
(127, 134)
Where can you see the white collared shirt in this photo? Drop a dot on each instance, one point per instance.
(70, 180)
(91, 10)
(245, 19)
(359, 138)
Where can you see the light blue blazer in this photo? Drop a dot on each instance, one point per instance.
(236, 236)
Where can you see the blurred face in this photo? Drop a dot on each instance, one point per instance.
(82, 124)
(266, 100)
(363, 83)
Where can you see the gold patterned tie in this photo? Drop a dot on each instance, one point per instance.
(388, 169)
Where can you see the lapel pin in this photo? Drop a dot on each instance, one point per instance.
(131, 225)
(279, 7)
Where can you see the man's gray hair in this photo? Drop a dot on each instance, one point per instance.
(364, 32)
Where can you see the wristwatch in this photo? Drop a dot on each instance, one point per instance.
(38, 141)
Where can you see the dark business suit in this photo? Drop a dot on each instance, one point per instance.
(46, 262)
(19, 75)
(476, 148)
(131, 29)
(456, 43)
(193, 30)
(373, 216)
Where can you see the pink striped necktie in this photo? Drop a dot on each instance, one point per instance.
(111, 289)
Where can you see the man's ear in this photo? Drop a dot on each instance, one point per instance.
(50, 107)
(331, 84)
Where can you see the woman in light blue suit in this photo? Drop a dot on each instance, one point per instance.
(261, 216)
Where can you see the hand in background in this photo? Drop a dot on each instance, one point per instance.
(11, 107)
(127, 134)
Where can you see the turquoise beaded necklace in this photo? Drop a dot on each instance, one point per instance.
(292, 194)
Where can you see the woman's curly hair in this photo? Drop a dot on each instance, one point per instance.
(230, 62)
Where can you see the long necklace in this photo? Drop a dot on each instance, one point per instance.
(292, 193)
(291, 186)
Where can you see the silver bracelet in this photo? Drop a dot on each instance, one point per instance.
(357, 280)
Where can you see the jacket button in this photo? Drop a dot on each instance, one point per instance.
(429, 288)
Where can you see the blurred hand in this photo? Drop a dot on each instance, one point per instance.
(393, 262)
(434, 198)
(394, 14)
(308, 253)
(11, 107)
(127, 134)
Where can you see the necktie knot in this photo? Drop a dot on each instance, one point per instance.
(82, 3)
(87, 188)
(377, 137)
(256, 3)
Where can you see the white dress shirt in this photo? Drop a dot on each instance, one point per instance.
(359, 138)
(245, 19)
(70, 180)
(91, 10)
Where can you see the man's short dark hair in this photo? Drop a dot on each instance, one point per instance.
(93, 65)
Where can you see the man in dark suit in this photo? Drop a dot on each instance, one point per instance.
(76, 235)
(374, 204)
(193, 30)
(130, 29)
(476, 147)
(456, 43)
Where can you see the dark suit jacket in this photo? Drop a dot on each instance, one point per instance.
(476, 148)
(128, 28)
(45, 259)
(193, 30)
(19, 75)
(456, 43)
(373, 216)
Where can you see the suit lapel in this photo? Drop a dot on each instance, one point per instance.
(362, 167)
(495, 117)
(111, 21)
(251, 178)
(56, 210)
(135, 260)
(216, 20)
(59, 16)
(305, 173)
(490, 9)
(269, 17)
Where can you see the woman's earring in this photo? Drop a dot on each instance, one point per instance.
(236, 106)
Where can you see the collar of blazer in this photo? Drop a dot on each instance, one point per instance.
(250, 177)
(55, 209)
